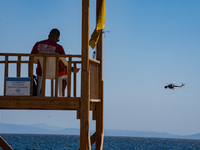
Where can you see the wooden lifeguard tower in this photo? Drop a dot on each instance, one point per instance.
(91, 95)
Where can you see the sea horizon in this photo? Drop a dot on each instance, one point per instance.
(72, 142)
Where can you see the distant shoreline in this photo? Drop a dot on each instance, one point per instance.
(52, 130)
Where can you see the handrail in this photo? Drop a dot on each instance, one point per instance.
(53, 55)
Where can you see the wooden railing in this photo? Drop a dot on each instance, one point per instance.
(28, 59)
(94, 66)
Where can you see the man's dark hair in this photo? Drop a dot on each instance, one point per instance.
(54, 32)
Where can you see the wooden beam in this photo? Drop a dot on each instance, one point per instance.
(4, 145)
(56, 79)
(39, 103)
(94, 61)
(43, 77)
(92, 139)
(52, 87)
(5, 73)
(85, 35)
(84, 122)
(30, 73)
(69, 69)
(78, 114)
(100, 121)
(74, 91)
(100, 106)
(94, 114)
(99, 47)
(19, 66)
(85, 92)
(36, 103)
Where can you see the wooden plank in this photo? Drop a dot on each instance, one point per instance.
(96, 80)
(100, 106)
(100, 120)
(91, 81)
(39, 103)
(30, 73)
(19, 66)
(85, 35)
(94, 61)
(77, 62)
(52, 87)
(32, 102)
(94, 114)
(93, 138)
(85, 96)
(92, 105)
(5, 73)
(100, 46)
(43, 77)
(4, 145)
(78, 115)
(35, 98)
(69, 70)
(56, 79)
(85, 91)
(74, 91)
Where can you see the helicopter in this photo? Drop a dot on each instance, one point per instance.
(173, 85)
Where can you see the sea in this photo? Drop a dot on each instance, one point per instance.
(71, 142)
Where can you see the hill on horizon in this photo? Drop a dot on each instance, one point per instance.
(47, 129)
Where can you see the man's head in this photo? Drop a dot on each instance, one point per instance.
(54, 35)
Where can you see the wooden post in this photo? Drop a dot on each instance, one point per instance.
(99, 106)
(56, 79)
(52, 87)
(19, 66)
(30, 73)
(43, 77)
(5, 73)
(85, 91)
(74, 91)
(69, 77)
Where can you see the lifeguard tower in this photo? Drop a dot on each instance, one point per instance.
(91, 92)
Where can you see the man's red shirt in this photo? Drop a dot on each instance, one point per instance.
(46, 46)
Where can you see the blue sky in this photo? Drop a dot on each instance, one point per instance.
(149, 44)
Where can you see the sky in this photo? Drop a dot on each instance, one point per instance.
(148, 45)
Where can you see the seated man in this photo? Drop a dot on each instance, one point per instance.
(50, 45)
